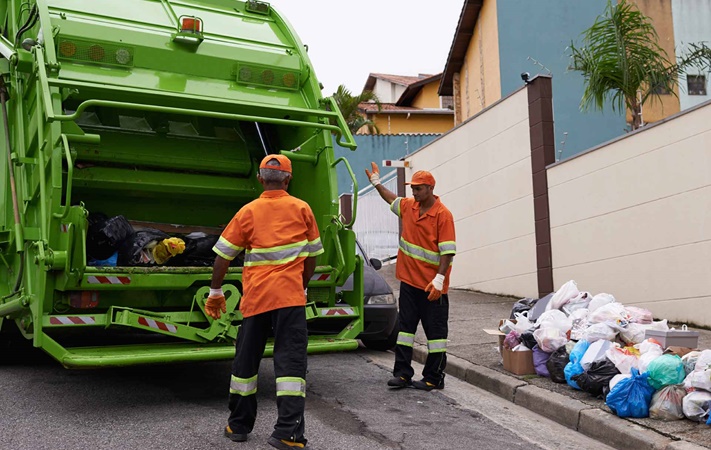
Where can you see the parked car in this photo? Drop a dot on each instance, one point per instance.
(380, 308)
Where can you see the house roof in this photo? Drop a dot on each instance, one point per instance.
(462, 37)
(391, 108)
(413, 89)
(402, 80)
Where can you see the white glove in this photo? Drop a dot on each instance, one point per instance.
(438, 282)
(374, 177)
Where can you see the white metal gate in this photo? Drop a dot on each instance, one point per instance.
(376, 227)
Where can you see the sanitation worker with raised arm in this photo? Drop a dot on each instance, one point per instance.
(424, 260)
(281, 241)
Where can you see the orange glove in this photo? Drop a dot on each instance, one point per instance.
(215, 304)
(374, 177)
(435, 288)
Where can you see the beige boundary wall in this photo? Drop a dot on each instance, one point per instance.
(633, 218)
(483, 173)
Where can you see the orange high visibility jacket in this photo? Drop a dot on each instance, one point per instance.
(278, 232)
(424, 238)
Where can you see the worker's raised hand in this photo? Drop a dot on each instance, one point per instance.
(374, 176)
(435, 288)
(215, 304)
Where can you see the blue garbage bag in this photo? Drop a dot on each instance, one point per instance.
(110, 261)
(631, 397)
(573, 367)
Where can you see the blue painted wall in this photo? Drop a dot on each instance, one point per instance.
(543, 29)
(375, 148)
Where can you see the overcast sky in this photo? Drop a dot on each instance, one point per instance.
(347, 40)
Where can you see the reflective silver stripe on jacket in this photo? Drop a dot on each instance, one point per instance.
(419, 253)
(314, 247)
(447, 248)
(226, 249)
(395, 206)
(406, 339)
(243, 386)
(437, 346)
(292, 386)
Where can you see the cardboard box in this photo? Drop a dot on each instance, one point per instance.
(519, 363)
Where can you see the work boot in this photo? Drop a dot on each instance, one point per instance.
(399, 382)
(235, 437)
(426, 385)
(285, 444)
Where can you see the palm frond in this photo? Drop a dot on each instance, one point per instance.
(348, 104)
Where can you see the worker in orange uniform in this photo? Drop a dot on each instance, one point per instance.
(424, 259)
(281, 241)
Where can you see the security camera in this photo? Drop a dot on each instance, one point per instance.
(525, 76)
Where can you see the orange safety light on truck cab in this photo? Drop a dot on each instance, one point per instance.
(191, 24)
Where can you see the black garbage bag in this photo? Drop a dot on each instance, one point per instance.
(525, 304)
(104, 236)
(133, 250)
(528, 340)
(597, 377)
(198, 251)
(556, 364)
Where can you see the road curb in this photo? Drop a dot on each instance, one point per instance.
(564, 410)
(621, 434)
(590, 421)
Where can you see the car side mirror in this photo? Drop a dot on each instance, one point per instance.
(376, 263)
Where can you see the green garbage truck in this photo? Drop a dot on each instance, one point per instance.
(131, 119)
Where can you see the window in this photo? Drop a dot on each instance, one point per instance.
(696, 84)
(661, 90)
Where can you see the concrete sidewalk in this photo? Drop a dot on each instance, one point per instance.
(473, 356)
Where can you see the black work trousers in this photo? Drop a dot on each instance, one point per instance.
(414, 308)
(290, 342)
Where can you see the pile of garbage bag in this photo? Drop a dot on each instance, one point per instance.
(115, 242)
(600, 346)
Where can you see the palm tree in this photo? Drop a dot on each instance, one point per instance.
(622, 61)
(348, 104)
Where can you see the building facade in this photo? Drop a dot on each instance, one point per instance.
(408, 105)
(497, 41)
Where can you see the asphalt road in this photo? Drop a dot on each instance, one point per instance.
(43, 406)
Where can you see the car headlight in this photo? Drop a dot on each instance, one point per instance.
(384, 299)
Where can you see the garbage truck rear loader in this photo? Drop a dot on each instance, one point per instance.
(154, 115)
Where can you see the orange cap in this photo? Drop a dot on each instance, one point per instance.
(284, 163)
(422, 177)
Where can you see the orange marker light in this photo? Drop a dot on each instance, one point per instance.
(191, 24)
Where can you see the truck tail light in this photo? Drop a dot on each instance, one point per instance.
(84, 299)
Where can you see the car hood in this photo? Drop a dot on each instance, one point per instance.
(373, 283)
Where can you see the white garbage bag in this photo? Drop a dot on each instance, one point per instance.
(600, 300)
(595, 352)
(563, 295)
(696, 405)
(599, 331)
(554, 319)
